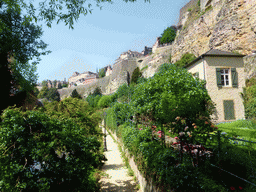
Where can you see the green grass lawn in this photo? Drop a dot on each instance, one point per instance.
(240, 129)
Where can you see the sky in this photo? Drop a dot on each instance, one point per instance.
(98, 39)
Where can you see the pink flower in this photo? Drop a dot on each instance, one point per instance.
(175, 143)
(186, 128)
(140, 129)
(177, 118)
(240, 187)
(176, 138)
(232, 188)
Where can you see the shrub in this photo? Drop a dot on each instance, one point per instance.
(75, 94)
(93, 100)
(185, 59)
(51, 94)
(40, 153)
(76, 109)
(135, 75)
(168, 35)
(168, 95)
(162, 164)
(65, 85)
(105, 101)
(97, 91)
(102, 72)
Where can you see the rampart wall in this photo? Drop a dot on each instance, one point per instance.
(184, 9)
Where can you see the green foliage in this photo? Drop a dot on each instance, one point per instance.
(162, 164)
(52, 10)
(249, 95)
(168, 35)
(93, 100)
(19, 43)
(185, 59)
(65, 85)
(97, 91)
(111, 119)
(136, 75)
(105, 101)
(144, 68)
(102, 72)
(170, 92)
(36, 91)
(65, 154)
(44, 83)
(75, 94)
(198, 3)
(51, 94)
(123, 93)
(76, 109)
(170, 59)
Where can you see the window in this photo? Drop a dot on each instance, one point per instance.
(226, 77)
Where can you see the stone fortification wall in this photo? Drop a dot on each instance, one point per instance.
(228, 26)
(250, 66)
(85, 90)
(184, 10)
(122, 72)
(163, 48)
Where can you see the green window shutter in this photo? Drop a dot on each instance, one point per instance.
(229, 113)
(234, 77)
(218, 77)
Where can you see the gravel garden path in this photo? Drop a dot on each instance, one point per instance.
(117, 178)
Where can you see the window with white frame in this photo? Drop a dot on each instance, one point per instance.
(225, 77)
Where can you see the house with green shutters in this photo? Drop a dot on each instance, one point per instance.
(225, 78)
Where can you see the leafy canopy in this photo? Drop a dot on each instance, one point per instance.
(168, 35)
(136, 75)
(50, 94)
(102, 72)
(75, 94)
(50, 10)
(169, 94)
(65, 154)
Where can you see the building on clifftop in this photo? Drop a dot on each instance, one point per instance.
(83, 78)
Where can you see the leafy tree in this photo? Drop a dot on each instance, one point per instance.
(249, 95)
(93, 100)
(18, 45)
(51, 10)
(75, 94)
(168, 35)
(97, 91)
(105, 101)
(44, 83)
(102, 72)
(136, 75)
(54, 83)
(185, 59)
(172, 93)
(53, 94)
(50, 94)
(19, 35)
(36, 91)
(64, 152)
(65, 85)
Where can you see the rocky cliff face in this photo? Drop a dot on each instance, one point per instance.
(228, 25)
